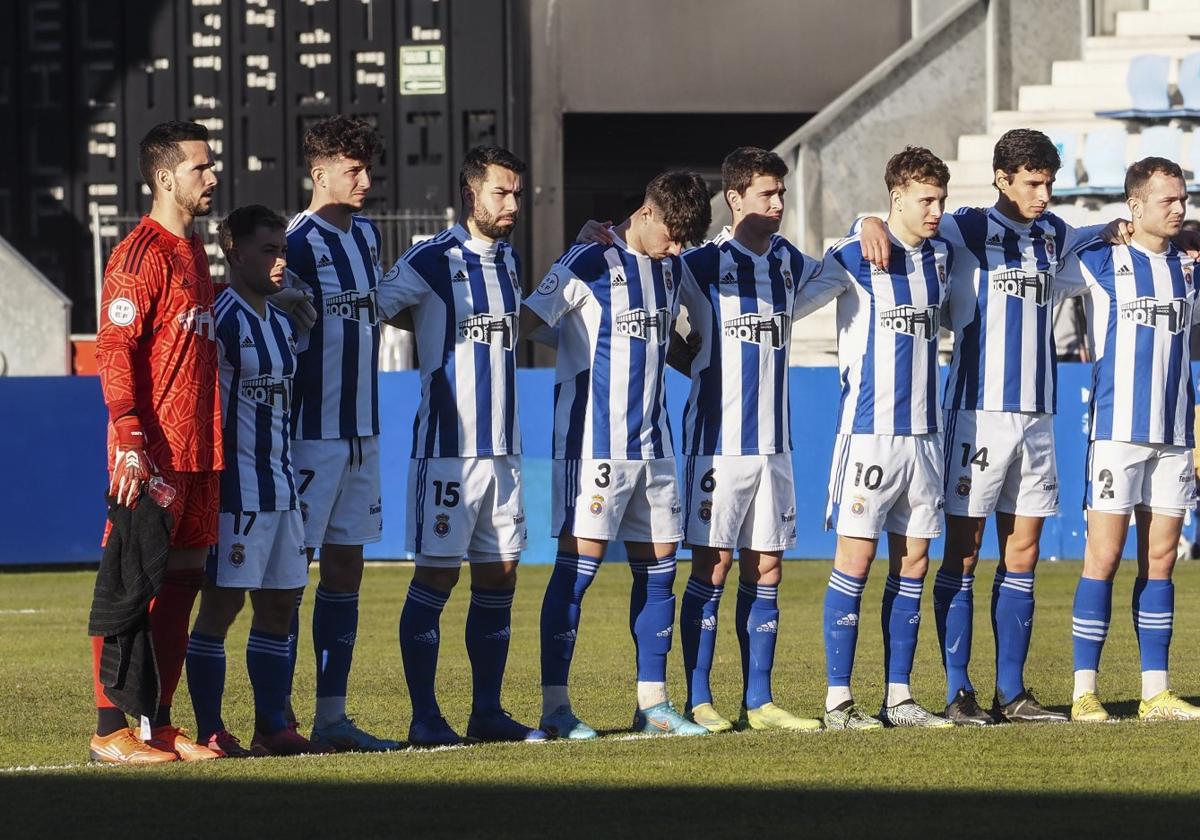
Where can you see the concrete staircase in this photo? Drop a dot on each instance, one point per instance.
(1077, 89)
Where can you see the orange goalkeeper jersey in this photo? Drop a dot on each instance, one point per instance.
(156, 347)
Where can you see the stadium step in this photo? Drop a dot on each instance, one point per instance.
(1112, 48)
(1149, 22)
(1058, 98)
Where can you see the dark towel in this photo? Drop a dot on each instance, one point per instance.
(131, 571)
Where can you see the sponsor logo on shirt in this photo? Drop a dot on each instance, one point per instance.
(198, 320)
(643, 325)
(276, 393)
(771, 330)
(484, 329)
(1018, 283)
(1174, 316)
(919, 322)
(353, 306)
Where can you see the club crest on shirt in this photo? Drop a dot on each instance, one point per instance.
(597, 506)
(668, 281)
(1048, 238)
(237, 554)
(787, 279)
(512, 275)
(442, 526)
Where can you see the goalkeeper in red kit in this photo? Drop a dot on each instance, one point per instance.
(157, 355)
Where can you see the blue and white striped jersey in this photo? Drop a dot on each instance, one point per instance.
(741, 305)
(1140, 311)
(337, 383)
(465, 296)
(1000, 309)
(613, 310)
(258, 361)
(887, 324)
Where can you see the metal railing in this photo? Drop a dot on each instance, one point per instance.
(399, 229)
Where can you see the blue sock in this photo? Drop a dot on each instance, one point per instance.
(1153, 617)
(652, 615)
(268, 661)
(954, 614)
(419, 642)
(698, 637)
(488, 630)
(293, 642)
(757, 628)
(335, 625)
(901, 619)
(1012, 623)
(206, 682)
(843, 596)
(1090, 616)
(571, 577)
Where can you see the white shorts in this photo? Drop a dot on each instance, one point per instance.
(740, 501)
(1000, 461)
(468, 507)
(634, 501)
(1123, 477)
(259, 550)
(338, 483)
(889, 483)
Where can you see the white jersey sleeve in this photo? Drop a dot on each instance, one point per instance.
(559, 292)
(399, 289)
(830, 279)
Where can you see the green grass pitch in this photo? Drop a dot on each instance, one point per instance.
(1125, 779)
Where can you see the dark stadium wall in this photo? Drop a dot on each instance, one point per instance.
(54, 428)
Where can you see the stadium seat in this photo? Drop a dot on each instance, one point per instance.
(1164, 141)
(1103, 162)
(1068, 153)
(1072, 214)
(1189, 84)
(1148, 93)
(1192, 161)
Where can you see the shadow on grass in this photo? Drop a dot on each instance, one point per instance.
(130, 803)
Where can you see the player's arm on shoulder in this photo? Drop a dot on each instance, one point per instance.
(298, 306)
(1071, 279)
(827, 282)
(874, 240)
(402, 287)
(1188, 241)
(595, 233)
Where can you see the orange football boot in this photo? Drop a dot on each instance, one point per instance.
(174, 740)
(123, 747)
